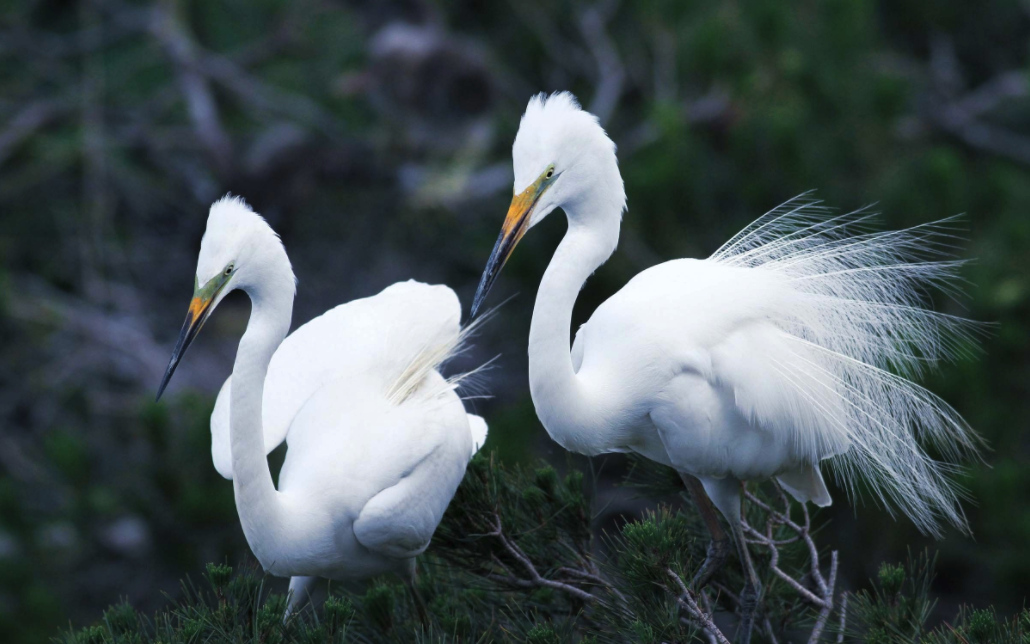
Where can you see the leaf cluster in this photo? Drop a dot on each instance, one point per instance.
(899, 604)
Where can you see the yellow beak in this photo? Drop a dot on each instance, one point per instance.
(516, 223)
(199, 311)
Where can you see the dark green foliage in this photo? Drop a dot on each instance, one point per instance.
(896, 609)
(643, 553)
(219, 576)
(545, 516)
(649, 480)
(891, 578)
(379, 606)
(982, 626)
(91, 635)
(501, 570)
(649, 547)
(338, 612)
(375, 171)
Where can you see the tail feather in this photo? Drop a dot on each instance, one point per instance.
(806, 484)
(853, 328)
(479, 432)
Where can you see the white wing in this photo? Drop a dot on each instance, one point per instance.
(376, 337)
(400, 520)
(807, 325)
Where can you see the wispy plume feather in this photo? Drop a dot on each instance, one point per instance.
(851, 329)
(433, 358)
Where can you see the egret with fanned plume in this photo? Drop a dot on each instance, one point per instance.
(787, 348)
(377, 439)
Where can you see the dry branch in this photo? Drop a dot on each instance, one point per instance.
(823, 597)
(535, 578)
(688, 602)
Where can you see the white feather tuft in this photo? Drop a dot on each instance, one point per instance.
(850, 329)
(431, 359)
(479, 431)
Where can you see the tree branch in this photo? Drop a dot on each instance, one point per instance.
(535, 578)
(611, 74)
(203, 110)
(687, 601)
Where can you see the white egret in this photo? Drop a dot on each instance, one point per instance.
(378, 439)
(774, 354)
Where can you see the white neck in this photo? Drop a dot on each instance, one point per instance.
(558, 395)
(257, 501)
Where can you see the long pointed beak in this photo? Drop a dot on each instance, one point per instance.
(516, 223)
(200, 309)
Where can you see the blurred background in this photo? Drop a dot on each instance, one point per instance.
(375, 137)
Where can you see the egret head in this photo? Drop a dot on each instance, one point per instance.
(239, 250)
(562, 159)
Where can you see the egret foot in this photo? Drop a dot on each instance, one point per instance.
(748, 607)
(718, 552)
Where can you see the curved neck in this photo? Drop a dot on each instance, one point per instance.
(257, 500)
(557, 393)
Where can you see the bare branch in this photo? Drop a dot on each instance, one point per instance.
(769, 631)
(793, 583)
(200, 101)
(824, 613)
(611, 74)
(993, 93)
(708, 108)
(24, 124)
(557, 47)
(535, 578)
(960, 115)
(843, 618)
(687, 601)
(825, 586)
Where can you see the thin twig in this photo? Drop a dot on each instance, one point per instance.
(843, 618)
(200, 102)
(535, 578)
(824, 612)
(723, 590)
(25, 123)
(793, 583)
(825, 586)
(597, 579)
(611, 74)
(960, 115)
(769, 630)
(687, 601)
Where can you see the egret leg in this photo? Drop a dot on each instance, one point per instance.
(752, 586)
(300, 590)
(719, 546)
(725, 494)
(410, 580)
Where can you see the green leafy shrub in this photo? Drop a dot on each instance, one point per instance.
(513, 561)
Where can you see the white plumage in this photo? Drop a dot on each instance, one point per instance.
(378, 439)
(376, 337)
(788, 347)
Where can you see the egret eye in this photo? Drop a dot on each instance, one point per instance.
(550, 173)
(228, 270)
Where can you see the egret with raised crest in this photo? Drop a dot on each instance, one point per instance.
(787, 349)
